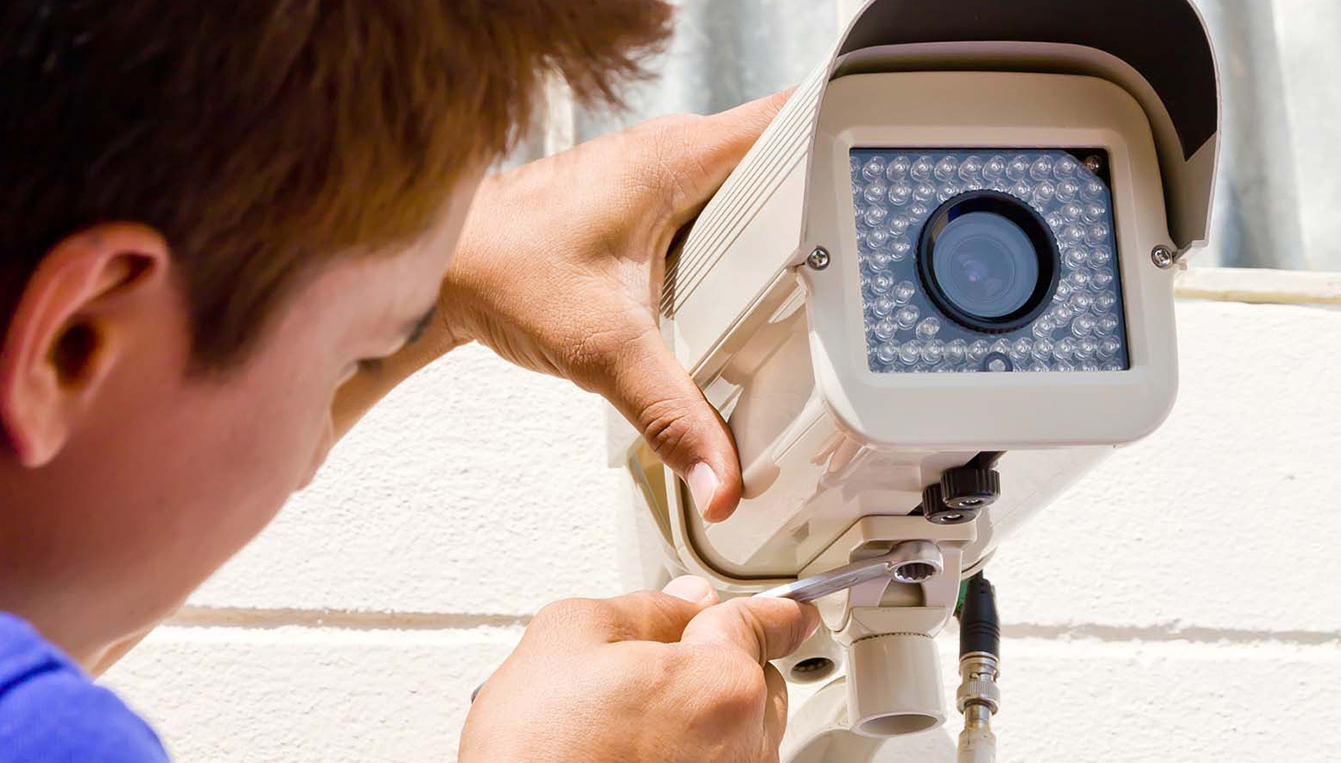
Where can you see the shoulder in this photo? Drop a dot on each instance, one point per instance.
(51, 711)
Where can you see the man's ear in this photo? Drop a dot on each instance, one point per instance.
(70, 327)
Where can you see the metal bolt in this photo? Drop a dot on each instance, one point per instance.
(818, 259)
(1163, 257)
(1093, 163)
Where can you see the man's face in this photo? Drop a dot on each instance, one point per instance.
(173, 473)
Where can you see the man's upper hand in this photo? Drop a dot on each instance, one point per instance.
(560, 270)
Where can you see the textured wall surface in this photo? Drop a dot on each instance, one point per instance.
(1180, 604)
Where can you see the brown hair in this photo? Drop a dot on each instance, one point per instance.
(264, 137)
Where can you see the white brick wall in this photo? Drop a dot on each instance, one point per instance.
(1181, 604)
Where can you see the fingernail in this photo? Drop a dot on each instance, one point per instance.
(815, 623)
(690, 588)
(703, 484)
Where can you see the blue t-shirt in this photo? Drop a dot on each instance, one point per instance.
(52, 712)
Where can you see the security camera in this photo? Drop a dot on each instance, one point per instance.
(936, 292)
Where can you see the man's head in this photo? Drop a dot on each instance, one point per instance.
(211, 213)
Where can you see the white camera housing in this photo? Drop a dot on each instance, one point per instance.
(764, 305)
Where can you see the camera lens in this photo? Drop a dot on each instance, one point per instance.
(985, 264)
(988, 261)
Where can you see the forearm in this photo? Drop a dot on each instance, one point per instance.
(369, 385)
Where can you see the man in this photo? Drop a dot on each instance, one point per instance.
(226, 233)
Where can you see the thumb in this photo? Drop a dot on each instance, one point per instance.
(656, 395)
(764, 628)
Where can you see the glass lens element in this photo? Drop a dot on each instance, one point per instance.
(986, 264)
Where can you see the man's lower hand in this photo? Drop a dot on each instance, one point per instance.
(669, 677)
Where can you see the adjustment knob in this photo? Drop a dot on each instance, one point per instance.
(935, 510)
(970, 488)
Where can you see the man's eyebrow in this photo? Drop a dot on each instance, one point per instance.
(416, 330)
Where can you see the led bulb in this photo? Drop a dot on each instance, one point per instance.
(1083, 325)
(884, 330)
(910, 353)
(875, 193)
(922, 168)
(901, 249)
(924, 192)
(1065, 167)
(875, 215)
(900, 194)
(1018, 168)
(928, 328)
(933, 351)
(1043, 350)
(882, 283)
(956, 351)
(994, 168)
(887, 352)
(1044, 193)
(1081, 302)
(876, 238)
(907, 316)
(1067, 190)
(979, 350)
(971, 169)
(1064, 349)
(898, 168)
(898, 225)
(1041, 169)
(1108, 347)
(883, 307)
(945, 169)
(874, 169)
(904, 291)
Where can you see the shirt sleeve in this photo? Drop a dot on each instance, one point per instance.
(56, 715)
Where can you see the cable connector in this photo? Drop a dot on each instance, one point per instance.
(978, 697)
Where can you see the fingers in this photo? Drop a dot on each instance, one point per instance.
(763, 628)
(644, 616)
(715, 145)
(648, 385)
(775, 709)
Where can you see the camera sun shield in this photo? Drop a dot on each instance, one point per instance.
(986, 260)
